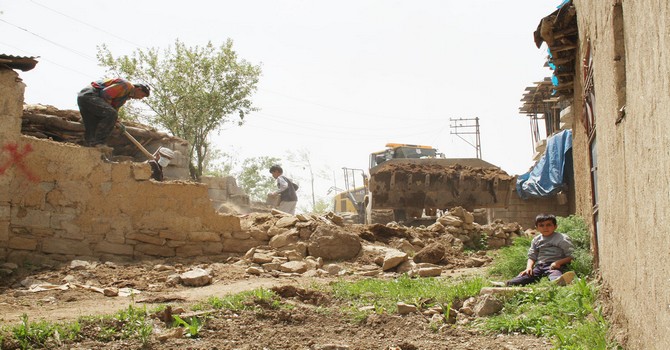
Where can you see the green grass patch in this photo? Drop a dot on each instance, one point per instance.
(565, 314)
(29, 334)
(512, 259)
(577, 229)
(384, 295)
(248, 300)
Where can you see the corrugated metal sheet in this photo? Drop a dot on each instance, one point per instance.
(18, 62)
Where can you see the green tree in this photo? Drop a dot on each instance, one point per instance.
(255, 177)
(195, 90)
(323, 205)
(219, 163)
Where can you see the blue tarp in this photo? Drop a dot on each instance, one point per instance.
(548, 176)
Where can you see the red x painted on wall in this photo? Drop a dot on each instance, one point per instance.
(16, 159)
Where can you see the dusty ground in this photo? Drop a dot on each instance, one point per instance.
(306, 326)
(303, 327)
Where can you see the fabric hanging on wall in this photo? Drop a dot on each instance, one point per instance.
(547, 177)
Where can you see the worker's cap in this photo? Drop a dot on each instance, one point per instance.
(166, 152)
(144, 88)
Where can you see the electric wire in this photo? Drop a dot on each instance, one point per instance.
(87, 24)
(51, 41)
(47, 60)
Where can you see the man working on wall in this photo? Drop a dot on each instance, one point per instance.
(286, 190)
(99, 105)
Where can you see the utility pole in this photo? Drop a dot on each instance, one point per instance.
(471, 127)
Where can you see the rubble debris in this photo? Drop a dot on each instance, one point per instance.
(196, 277)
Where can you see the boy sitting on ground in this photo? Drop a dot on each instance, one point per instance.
(548, 255)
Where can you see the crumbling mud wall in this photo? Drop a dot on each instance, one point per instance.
(631, 68)
(524, 211)
(61, 201)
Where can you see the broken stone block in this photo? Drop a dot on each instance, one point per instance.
(302, 217)
(286, 221)
(429, 272)
(253, 270)
(450, 220)
(433, 253)
(487, 306)
(333, 243)
(393, 259)
(436, 227)
(196, 278)
(80, 265)
(273, 266)
(406, 266)
(293, 267)
(292, 255)
(261, 258)
(284, 239)
(468, 306)
(404, 308)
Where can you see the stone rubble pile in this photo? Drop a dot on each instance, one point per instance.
(312, 245)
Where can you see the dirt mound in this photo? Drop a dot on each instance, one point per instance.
(448, 170)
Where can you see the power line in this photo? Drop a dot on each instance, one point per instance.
(386, 117)
(86, 24)
(47, 60)
(51, 41)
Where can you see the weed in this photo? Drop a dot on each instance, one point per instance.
(29, 334)
(575, 227)
(192, 328)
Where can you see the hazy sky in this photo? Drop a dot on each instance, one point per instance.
(340, 78)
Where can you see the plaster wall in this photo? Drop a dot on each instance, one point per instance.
(633, 160)
(61, 201)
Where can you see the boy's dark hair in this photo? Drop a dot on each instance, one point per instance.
(276, 168)
(545, 217)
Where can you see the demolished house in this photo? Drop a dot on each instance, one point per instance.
(63, 200)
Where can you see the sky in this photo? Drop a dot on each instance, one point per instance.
(340, 79)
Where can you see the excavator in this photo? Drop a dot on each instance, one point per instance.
(409, 182)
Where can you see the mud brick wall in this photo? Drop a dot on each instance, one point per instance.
(524, 211)
(62, 201)
(631, 68)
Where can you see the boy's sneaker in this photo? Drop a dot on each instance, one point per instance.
(565, 278)
(498, 284)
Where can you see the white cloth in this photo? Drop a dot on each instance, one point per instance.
(287, 207)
